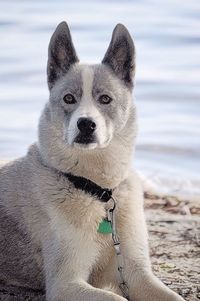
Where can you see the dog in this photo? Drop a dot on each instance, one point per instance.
(51, 200)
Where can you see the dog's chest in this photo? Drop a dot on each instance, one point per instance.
(76, 221)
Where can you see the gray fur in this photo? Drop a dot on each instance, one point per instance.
(105, 81)
(48, 229)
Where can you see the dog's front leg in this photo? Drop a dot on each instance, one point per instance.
(143, 285)
(67, 263)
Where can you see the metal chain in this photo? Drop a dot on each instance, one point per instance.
(112, 219)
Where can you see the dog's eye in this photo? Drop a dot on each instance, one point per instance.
(105, 99)
(69, 98)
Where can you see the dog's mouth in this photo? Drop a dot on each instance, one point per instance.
(85, 139)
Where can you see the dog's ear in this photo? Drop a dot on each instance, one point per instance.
(61, 54)
(120, 56)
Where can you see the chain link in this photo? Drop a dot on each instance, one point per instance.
(120, 261)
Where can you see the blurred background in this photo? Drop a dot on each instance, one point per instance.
(167, 92)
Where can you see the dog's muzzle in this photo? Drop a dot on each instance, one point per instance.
(86, 128)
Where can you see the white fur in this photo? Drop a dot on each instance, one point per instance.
(88, 109)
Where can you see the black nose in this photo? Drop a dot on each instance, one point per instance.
(86, 125)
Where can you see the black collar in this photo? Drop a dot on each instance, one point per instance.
(103, 194)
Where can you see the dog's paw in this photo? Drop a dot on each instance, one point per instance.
(150, 288)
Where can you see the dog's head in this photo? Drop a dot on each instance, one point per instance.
(90, 104)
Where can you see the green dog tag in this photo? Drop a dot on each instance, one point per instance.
(105, 227)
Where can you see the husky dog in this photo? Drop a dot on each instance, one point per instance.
(49, 226)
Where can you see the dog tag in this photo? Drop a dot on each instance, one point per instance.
(105, 227)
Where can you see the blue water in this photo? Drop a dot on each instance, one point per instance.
(167, 39)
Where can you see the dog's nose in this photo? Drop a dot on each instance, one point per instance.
(86, 125)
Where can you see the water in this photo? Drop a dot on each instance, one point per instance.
(167, 38)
